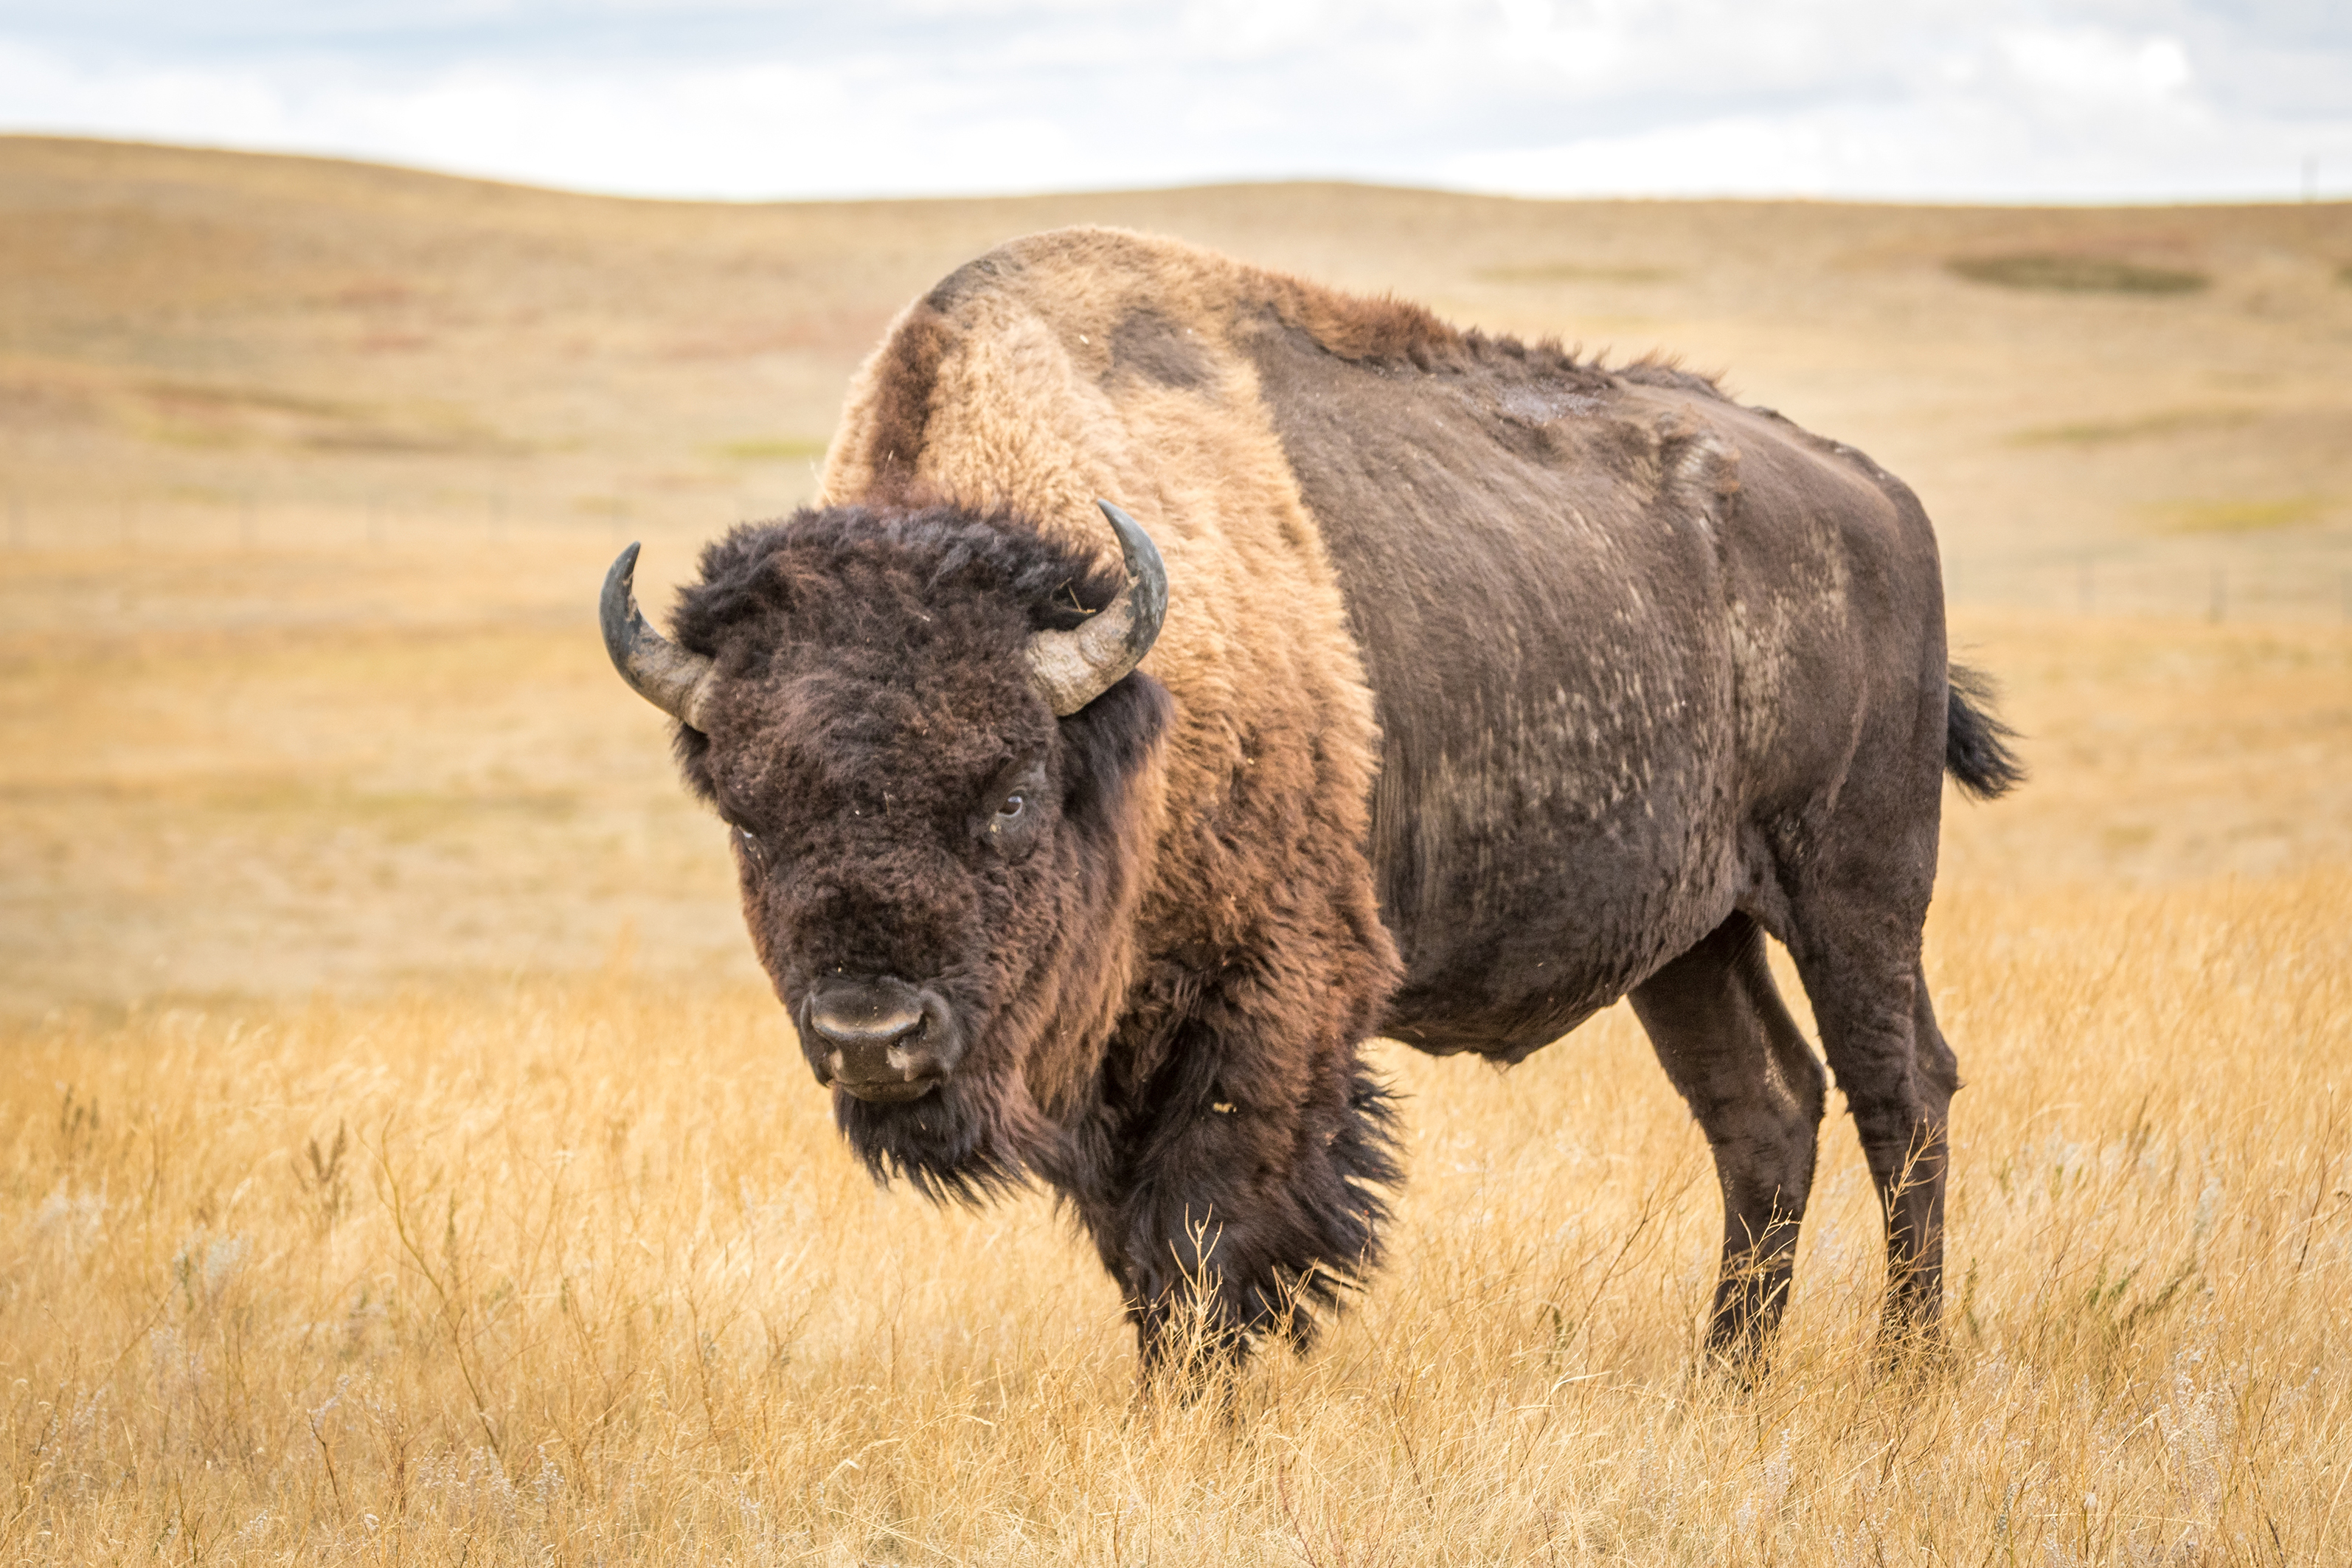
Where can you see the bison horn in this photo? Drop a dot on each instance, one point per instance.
(1072, 669)
(664, 674)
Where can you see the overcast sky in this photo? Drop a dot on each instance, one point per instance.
(1931, 100)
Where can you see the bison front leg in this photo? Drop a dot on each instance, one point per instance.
(1240, 1202)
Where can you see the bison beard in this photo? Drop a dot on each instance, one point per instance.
(1492, 687)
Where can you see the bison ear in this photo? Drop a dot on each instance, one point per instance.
(666, 675)
(1072, 669)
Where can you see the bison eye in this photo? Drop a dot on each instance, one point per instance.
(1011, 827)
(750, 843)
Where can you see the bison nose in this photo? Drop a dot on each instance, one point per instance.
(878, 1038)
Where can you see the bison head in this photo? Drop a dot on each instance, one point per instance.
(924, 731)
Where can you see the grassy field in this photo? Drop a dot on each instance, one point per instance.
(402, 1161)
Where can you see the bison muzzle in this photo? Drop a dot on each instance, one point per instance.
(1456, 689)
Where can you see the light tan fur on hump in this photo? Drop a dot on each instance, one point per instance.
(1030, 409)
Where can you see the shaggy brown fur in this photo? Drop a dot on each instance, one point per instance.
(1494, 686)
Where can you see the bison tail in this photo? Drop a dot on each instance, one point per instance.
(1976, 742)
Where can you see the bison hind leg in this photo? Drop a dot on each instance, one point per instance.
(1757, 1091)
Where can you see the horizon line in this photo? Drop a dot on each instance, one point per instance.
(1799, 198)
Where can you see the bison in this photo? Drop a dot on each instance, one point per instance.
(1456, 688)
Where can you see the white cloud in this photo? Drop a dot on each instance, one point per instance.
(1933, 99)
(2086, 64)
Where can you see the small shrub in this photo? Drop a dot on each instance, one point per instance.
(2144, 427)
(2075, 274)
(2241, 516)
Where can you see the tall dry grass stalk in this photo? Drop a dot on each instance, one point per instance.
(580, 1274)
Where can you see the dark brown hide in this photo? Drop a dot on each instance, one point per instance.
(1653, 674)
(1583, 776)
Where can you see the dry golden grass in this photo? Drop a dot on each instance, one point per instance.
(401, 1161)
(578, 1273)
